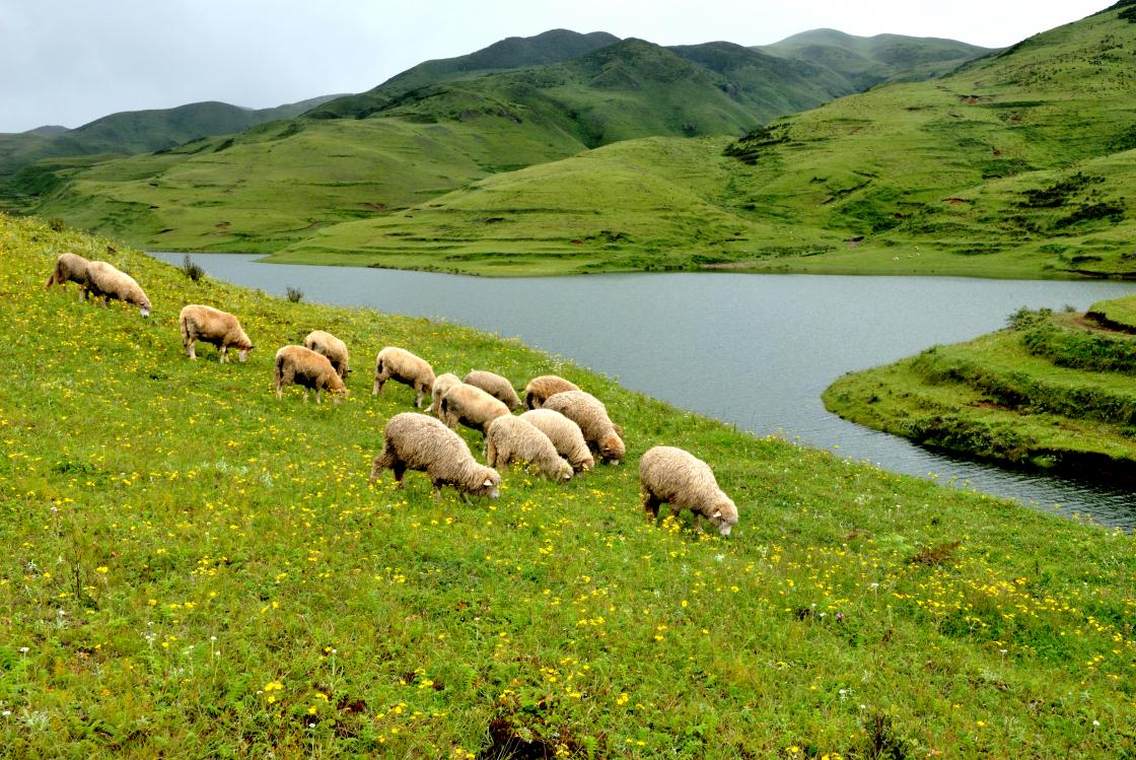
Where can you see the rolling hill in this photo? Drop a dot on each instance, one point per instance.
(1019, 164)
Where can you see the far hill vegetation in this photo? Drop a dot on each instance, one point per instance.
(432, 130)
(1053, 391)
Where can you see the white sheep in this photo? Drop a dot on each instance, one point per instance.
(511, 439)
(71, 267)
(587, 411)
(442, 385)
(304, 367)
(323, 342)
(109, 282)
(470, 406)
(496, 386)
(209, 325)
(540, 388)
(565, 435)
(400, 365)
(668, 475)
(413, 441)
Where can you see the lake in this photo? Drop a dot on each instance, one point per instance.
(752, 350)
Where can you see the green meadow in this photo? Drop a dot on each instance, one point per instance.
(194, 568)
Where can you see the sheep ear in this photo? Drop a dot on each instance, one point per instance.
(488, 482)
(717, 514)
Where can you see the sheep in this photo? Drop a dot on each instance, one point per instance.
(71, 267)
(496, 386)
(306, 368)
(108, 281)
(333, 348)
(209, 325)
(402, 366)
(511, 439)
(413, 441)
(674, 476)
(540, 388)
(442, 385)
(565, 436)
(470, 406)
(590, 414)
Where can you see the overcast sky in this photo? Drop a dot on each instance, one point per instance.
(70, 61)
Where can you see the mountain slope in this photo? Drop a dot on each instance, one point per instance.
(130, 132)
(864, 62)
(1019, 165)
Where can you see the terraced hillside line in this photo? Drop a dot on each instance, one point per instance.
(1048, 393)
(196, 567)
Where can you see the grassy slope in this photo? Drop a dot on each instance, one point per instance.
(1018, 166)
(1053, 391)
(197, 568)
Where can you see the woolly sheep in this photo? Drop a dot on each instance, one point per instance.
(209, 325)
(590, 414)
(565, 436)
(496, 386)
(676, 477)
(470, 406)
(442, 385)
(404, 367)
(511, 439)
(312, 371)
(540, 388)
(413, 441)
(109, 282)
(333, 348)
(71, 267)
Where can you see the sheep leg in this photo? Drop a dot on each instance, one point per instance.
(418, 396)
(224, 354)
(377, 390)
(319, 396)
(651, 506)
(191, 349)
(106, 302)
(437, 490)
(490, 453)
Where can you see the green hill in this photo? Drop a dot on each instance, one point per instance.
(1054, 391)
(196, 568)
(1020, 164)
(868, 61)
(131, 132)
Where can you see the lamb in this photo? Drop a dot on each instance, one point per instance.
(209, 325)
(496, 386)
(304, 367)
(71, 267)
(511, 439)
(674, 476)
(402, 366)
(590, 414)
(442, 385)
(470, 406)
(332, 347)
(540, 388)
(413, 441)
(108, 281)
(565, 436)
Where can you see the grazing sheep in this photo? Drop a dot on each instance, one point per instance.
(419, 442)
(496, 386)
(511, 439)
(304, 367)
(673, 476)
(332, 347)
(442, 385)
(565, 436)
(71, 267)
(540, 388)
(209, 325)
(590, 414)
(470, 406)
(108, 281)
(404, 367)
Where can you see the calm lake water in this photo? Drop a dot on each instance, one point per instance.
(752, 350)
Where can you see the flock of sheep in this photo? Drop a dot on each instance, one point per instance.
(562, 431)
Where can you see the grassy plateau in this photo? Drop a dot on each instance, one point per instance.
(193, 568)
(1051, 391)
